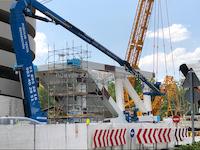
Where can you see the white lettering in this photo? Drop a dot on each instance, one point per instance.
(21, 37)
(24, 38)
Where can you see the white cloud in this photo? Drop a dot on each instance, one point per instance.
(178, 33)
(180, 55)
(41, 48)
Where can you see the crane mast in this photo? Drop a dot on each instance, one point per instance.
(136, 41)
(138, 32)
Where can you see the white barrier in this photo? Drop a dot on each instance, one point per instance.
(17, 137)
(81, 136)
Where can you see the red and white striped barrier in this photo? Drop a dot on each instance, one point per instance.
(153, 135)
(109, 137)
(181, 133)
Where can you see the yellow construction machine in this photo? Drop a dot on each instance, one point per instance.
(136, 41)
(135, 45)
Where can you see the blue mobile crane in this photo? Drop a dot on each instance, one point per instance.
(18, 11)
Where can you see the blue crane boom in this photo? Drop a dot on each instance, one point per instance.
(24, 58)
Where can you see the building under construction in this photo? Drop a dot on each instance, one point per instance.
(77, 88)
(73, 94)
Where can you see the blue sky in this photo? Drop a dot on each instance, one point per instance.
(110, 23)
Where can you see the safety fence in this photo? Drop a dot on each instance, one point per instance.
(137, 135)
(92, 136)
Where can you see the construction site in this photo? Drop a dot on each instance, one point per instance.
(91, 95)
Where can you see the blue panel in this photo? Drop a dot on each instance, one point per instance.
(24, 61)
(74, 62)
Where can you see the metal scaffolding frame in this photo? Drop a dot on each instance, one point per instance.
(68, 86)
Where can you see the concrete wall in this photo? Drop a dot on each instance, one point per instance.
(72, 136)
(59, 136)
(10, 106)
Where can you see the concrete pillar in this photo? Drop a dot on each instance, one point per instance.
(147, 99)
(119, 91)
(81, 88)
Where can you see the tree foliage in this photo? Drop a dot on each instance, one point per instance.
(111, 90)
(194, 146)
(138, 86)
(44, 97)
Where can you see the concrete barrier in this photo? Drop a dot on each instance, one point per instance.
(79, 136)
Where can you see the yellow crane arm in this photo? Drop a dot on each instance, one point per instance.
(138, 32)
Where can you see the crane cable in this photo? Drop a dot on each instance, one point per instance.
(163, 38)
(157, 40)
(154, 36)
(170, 39)
(157, 23)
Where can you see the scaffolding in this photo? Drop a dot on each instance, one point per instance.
(70, 87)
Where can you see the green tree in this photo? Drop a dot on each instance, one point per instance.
(194, 146)
(44, 97)
(111, 90)
(138, 86)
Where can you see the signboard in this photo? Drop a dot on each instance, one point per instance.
(176, 119)
(132, 133)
